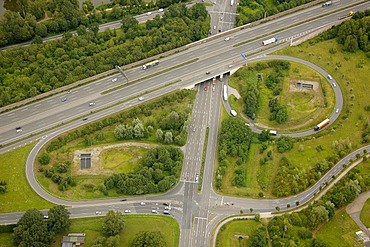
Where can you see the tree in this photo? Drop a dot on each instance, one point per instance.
(58, 219)
(159, 135)
(113, 223)
(284, 143)
(129, 21)
(31, 230)
(259, 238)
(168, 138)
(318, 215)
(44, 159)
(148, 239)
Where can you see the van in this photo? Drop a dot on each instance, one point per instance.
(233, 113)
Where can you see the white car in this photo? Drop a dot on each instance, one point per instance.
(230, 66)
(337, 110)
(141, 98)
(18, 129)
(46, 217)
(226, 39)
(154, 211)
(160, 10)
(91, 103)
(114, 79)
(330, 78)
(127, 211)
(98, 212)
(167, 208)
(334, 85)
(142, 203)
(149, 13)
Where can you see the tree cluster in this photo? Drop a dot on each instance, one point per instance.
(148, 239)
(279, 113)
(251, 100)
(113, 223)
(158, 172)
(29, 71)
(284, 143)
(58, 174)
(234, 141)
(33, 230)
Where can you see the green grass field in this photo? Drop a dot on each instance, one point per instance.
(339, 231)
(226, 236)
(365, 214)
(20, 196)
(92, 227)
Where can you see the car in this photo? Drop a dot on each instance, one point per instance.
(334, 85)
(167, 212)
(166, 203)
(64, 99)
(127, 211)
(91, 103)
(154, 211)
(194, 129)
(196, 177)
(167, 208)
(160, 10)
(114, 79)
(149, 13)
(213, 89)
(214, 27)
(142, 203)
(124, 199)
(330, 78)
(98, 212)
(214, 2)
(84, 119)
(337, 110)
(46, 217)
(205, 88)
(230, 66)
(207, 73)
(141, 98)
(221, 18)
(18, 129)
(247, 124)
(227, 38)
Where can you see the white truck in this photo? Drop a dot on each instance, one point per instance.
(150, 64)
(269, 41)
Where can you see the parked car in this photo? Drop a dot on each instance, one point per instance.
(154, 211)
(160, 10)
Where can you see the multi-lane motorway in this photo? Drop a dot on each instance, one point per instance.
(196, 213)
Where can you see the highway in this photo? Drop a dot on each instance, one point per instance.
(207, 208)
(213, 56)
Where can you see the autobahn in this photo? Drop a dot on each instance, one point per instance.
(213, 201)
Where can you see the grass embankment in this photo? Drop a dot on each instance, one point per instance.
(229, 234)
(20, 195)
(339, 231)
(134, 224)
(342, 137)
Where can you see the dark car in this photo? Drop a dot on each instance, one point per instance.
(84, 119)
(207, 73)
(124, 199)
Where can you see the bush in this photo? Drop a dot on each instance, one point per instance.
(44, 159)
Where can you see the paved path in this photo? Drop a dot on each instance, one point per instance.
(354, 210)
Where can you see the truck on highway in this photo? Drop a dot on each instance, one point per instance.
(232, 3)
(322, 124)
(150, 64)
(327, 4)
(345, 16)
(269, 41)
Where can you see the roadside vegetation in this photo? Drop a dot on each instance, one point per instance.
(365, 214)
(17, 194)
(144, 161)
(324, 223)
(35, 69)
(113, 230)
(253, 10)
(278, 167)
